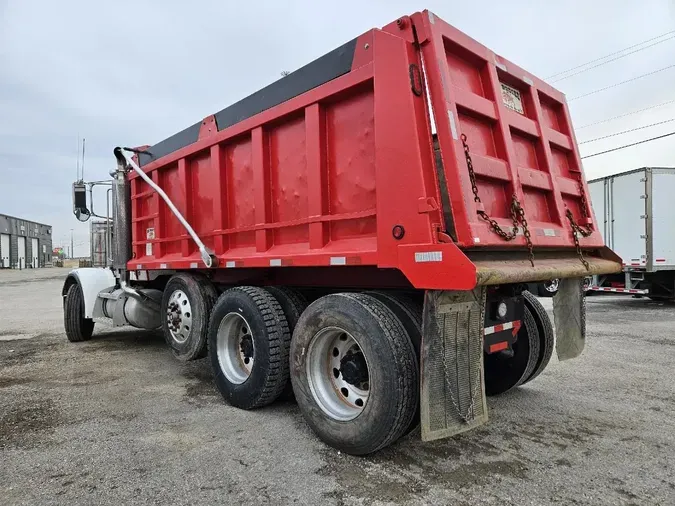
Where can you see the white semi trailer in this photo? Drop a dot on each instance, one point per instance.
(636, 217)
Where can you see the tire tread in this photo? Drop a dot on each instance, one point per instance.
(78, 328)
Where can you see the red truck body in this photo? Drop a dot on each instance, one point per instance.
(334, 165)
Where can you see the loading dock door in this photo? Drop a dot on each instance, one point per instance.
(35, 253)
(21, 260)
(4, 251)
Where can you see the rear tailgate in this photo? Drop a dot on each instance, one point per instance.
(520, 138)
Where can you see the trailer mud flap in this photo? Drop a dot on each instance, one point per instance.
(452, 387)
(569, 313)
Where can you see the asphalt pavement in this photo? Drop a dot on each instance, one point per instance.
(117, 420)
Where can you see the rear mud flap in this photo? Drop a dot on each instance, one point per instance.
(452, 388)
(569, 313)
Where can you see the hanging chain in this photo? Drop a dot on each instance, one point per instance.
(578, 230)
(517, 211)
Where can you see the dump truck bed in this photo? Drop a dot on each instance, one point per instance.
(357, 159)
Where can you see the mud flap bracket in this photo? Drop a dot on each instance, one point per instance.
(452, 387)
(569, 313)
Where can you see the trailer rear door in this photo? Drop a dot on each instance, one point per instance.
(628, 198)
(598, 190)
(662, 219)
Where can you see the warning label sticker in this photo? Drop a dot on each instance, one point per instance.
(512, 99)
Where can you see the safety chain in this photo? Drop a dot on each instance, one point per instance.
(517, 211)
(577, 229)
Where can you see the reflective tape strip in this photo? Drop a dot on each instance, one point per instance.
(502, 326)
(428, 256)
(499, 346)
(338, 260)
(230, 264)
(275, 262)
(194, 265)
(618, 290)
(163, 266)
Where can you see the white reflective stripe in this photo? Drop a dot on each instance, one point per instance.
(338, 260)
(618, 290)
(275, 262)
(230, 263)
(498, 328)
(428, 256)
(453, 126)
(142, 275)
(132, 275)
(162, 266)
(194, 265)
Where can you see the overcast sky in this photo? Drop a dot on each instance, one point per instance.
(132, 73)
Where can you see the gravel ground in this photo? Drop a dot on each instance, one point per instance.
(117, 420)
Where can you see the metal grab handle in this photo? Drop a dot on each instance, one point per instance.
(207, 257)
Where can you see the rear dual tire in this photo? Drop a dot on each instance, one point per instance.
(187, 302)
(248, 343)
(529, 356)
(354, 372)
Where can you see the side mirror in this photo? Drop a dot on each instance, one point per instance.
(80, 209)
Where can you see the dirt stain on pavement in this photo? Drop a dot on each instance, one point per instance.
(25, 424)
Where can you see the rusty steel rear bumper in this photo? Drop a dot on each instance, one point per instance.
(496, 268)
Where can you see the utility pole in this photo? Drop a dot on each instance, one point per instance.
(72, 254)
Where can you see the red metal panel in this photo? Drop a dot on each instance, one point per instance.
(344, 173)
(471, 93)
(350, 141)
(288, 178)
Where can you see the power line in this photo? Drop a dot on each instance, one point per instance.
(627, 131)
(629, 145)
(613, 59)
(624, 115)
(622, 82)
(609, 55)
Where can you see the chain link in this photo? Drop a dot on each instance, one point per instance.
(578, 230)
(517, 211)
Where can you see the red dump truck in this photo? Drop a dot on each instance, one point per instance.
(359, 234)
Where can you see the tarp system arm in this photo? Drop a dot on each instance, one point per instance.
(208, 258)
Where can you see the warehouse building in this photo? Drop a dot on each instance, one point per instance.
(24, 244)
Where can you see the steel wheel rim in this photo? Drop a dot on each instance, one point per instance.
(552, 286)
(235, 348)
(179, 316)
(333, 353)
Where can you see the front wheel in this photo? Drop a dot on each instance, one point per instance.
(355, 373)
(78, 328)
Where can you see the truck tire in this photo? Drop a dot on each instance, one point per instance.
(248, 347)
(548, 288)
(187, 303)
(409, 314)
(292, 303)
(408, 311)
(354, 372)
(505, 370)
(78, 328)
(545, 331)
